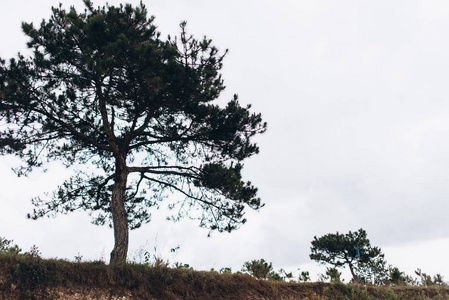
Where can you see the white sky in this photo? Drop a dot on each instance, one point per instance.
(355, 94)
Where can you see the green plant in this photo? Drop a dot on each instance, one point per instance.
(322, 277)
(78, 258)
(438, 279)
(333, 274)
(34, 252)
(262, 269)
(35, 276)
(179, 265)
(147, 259)
(304, 276)
(258, 268)
(426, 280)
(281, 275)
(396, 276)
(275, 276)
(285, 276)
(225, 270)
(7, 247)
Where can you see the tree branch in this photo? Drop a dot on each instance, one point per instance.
(164, 171)
(181, 191)
(72, 130)
(104, 116)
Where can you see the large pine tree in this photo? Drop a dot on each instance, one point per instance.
(135, 116)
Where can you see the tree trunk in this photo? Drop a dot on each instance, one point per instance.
(119, 215)
(354, 277)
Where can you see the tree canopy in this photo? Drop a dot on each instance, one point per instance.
(134, 115)
(260, 269)
(353, 249)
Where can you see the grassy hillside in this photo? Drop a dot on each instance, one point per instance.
(30, 277)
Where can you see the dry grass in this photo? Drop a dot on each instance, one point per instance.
(25, 277)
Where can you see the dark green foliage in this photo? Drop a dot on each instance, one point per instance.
(375, 271)
(438, 279)
(258, 268)
(34, 275)
(397, 277)
(304, 276)
(333, 274)
(282, 274)
(339, 250)
(103, 90)
(7, 247)
(226, 270)
(262, 269)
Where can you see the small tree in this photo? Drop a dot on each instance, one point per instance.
(7, 247)
(438, 279)
(226, 270)
(426, 280)
(333, 274)
(353, 250)
(260, 269)
(304, 276)
(284, 275)
(136, 113)
(396, 276)
(281, 275)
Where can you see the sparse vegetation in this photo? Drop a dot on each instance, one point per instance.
(259, 269)
(333, 274)
(304, 276)
(28, 276)
(7, 246)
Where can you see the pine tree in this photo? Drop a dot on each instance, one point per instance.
(134, 115)
(366, 263)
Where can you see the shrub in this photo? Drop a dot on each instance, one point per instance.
(7, 247)
(258, 268)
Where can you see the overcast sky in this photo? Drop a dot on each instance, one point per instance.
(356, 97)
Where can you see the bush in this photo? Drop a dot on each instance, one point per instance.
(7, 247)
(258, 268)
